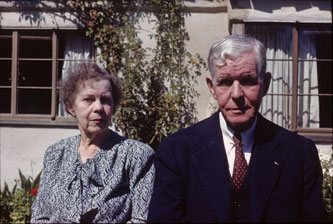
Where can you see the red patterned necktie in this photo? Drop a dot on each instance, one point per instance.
(240, 165)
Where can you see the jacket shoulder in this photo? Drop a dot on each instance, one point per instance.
(275, 133)
(194, 131)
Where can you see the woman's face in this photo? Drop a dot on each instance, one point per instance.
(92, 106)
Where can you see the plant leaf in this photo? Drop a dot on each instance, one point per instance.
(35, 183)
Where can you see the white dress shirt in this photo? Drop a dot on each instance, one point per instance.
(247, 142)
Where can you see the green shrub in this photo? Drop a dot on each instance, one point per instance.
(158, 81)
(20, 205)
(327, 166)
(15, 205)
(5, 198)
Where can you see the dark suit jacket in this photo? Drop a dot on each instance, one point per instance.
(193, 181)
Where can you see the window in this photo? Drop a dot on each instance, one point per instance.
(299, 56)
(32, 63)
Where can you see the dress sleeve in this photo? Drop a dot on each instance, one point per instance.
(141, 177)
(41, 211)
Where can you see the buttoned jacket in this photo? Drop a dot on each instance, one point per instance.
(193, 181)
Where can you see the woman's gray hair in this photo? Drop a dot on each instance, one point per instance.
(82, 72)
(232, 47)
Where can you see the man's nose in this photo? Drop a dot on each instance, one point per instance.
(236, 90)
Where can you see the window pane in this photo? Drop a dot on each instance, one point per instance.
(35, 48)
(73, 48)
(5, 73)
(308, 112)
(5, 96)
(326, 111)
(276, 106)
(34, 101)
(5, 47)
(35, 73)
(315, 77)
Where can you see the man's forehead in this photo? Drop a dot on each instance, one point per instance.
(239, 67)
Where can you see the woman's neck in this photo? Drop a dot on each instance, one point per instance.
(90, 144)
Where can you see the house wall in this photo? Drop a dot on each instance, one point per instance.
(23, 146)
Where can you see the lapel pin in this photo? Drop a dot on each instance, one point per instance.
(276, 163)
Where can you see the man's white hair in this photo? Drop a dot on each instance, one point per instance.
(231, 47)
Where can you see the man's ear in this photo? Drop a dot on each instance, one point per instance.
(210, 85)
(267, 81)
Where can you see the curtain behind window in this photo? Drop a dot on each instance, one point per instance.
(308, 106)
(277, 104)
(77, 49)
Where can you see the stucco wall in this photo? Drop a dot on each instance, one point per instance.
(206, 22)
(23, 148)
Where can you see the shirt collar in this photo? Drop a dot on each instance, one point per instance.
(247, 136)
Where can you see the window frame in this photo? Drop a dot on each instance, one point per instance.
(14, 118)
(320, 135)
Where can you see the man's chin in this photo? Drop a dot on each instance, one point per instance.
(240, 125)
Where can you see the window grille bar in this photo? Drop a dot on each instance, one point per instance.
(14, 72)
(54, 75)
(295, 77)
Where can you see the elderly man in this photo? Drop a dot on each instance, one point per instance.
(236, 166)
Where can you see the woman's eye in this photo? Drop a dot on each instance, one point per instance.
(88, 100)
(106, 100)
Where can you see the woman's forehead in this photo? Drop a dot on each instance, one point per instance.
(93, 84)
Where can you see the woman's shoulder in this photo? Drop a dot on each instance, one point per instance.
(131, 146)
(58, 148)
(136, 147)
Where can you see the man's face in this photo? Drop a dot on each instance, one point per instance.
(238, 90)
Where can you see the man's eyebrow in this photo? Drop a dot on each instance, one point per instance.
(221, 77)
(224, 75)
(249, 74)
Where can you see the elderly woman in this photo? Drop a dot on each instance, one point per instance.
(97, 176)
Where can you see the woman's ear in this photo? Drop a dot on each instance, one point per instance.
(70, 109)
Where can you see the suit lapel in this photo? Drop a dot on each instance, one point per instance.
(266, 165)
(212, 167)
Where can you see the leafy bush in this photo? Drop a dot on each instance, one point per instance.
(5, 198)
(15, 205)
(158, 82)
(20, 205)
(327, 166)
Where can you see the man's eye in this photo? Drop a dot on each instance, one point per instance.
(225, 82)
(248, 81)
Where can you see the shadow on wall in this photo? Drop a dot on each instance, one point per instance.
(269, 7)
(33, 11)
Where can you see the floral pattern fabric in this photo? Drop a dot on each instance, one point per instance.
(114, 186)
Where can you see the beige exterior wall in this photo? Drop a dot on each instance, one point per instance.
(24, 146)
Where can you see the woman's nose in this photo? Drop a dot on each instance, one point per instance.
(98, 106)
